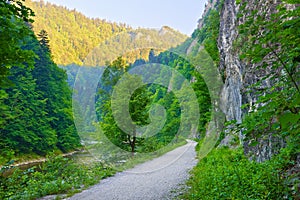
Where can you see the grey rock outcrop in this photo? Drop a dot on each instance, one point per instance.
(237, 75)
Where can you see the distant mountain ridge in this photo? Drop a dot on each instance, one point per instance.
(73, 36)
(133, 45)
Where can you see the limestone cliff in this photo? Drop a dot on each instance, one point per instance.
(236, 74)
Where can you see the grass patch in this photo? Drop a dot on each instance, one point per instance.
(56, 176)
(228, 174)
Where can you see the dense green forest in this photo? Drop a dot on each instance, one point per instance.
(74, 36)
(36, 112)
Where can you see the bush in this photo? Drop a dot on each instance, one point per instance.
(58, 175)
(228, 174)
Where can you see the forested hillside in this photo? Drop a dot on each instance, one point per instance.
(134, 45)
(74, 36)
(35, 101)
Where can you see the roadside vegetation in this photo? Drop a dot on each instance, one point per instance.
(228, 174)
(65, 177)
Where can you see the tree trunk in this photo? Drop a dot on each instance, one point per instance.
(133, 142)
(133, 145)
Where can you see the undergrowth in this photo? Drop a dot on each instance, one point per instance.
(228, 174)
(56, 176)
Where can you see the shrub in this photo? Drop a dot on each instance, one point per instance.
(228, 174)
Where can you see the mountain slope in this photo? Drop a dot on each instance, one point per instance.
(134, 45)
(73, 36)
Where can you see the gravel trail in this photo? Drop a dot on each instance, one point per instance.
(160, 178)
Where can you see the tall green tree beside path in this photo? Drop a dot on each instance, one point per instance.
(128, 99)
(131, 98)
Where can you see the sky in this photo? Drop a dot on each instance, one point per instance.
(181, 15)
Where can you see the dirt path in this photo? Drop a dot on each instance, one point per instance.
(161, 178)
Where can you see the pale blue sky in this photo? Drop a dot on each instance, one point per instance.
(181, 15)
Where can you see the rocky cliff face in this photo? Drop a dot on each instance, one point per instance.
(239, 75)
(229, 63)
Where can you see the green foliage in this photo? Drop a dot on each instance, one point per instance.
(58, 175)
(27, 130)
(51, 81)
(274, 48)
(138, 102)
(197, 82)
(13, 32)
(36, 115)
(209, 33)
(228, 174)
